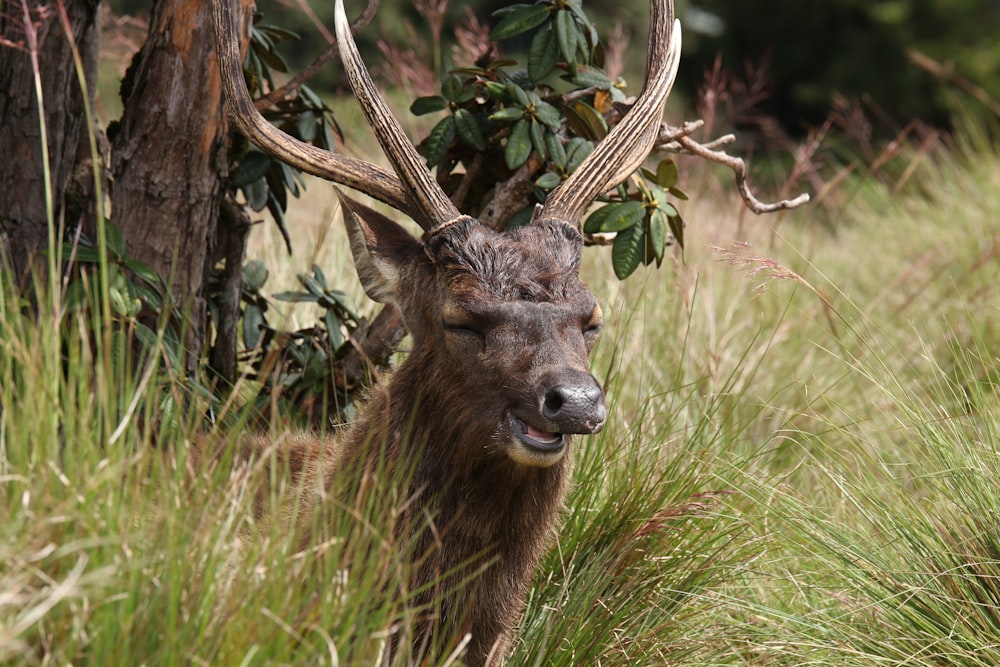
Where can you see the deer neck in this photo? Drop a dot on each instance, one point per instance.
(449, 440)
(492, 517)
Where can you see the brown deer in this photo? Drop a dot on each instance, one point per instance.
(483, 408)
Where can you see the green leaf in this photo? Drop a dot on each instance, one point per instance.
(586, 121)
(144, 272)
(587, 77)
(327, 142)
(295, 297)
(677, 192)
(468, 128)
(438, 142)
(594, 221)
(566, 33)
(507, 114)
(521, 19)
(577, 150)
(256, 194)
(521, 218)
(582, 18)
(497, 90)
(544, 54)
(307, 126)
(656, 240)
(255, 275)
(82, 255)
(548, 180)
(516, 93)
(277, 32)
(310, 97)
(538, 139)
(333, 329)
(270, 57)
(425, 105)
(557, 152)
(121, 301)
(677, 228)
(115, 240)
(451, 87)
(253, 323)
(627, 251)
(518, 147)
(313, 283)
(319, 275)
(666, 174)
(618, 216)
(548, 114)
(252, 168)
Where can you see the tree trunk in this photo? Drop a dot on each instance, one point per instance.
(170, 154)
(23, 217)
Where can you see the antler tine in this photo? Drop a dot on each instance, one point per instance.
(625, 147)
(359, 175)
(433, 207)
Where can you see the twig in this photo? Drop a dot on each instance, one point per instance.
(669, 136)
(739, 168)
(329, 53)
(510, 195)
(947, 72)
(472, 173)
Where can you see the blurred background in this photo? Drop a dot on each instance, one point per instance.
(786, 64)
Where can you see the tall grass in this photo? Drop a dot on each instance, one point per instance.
(800, 466)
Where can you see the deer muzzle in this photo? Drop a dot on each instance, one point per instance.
(568, 403)
(574, 403)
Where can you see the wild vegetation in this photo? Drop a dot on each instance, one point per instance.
(800, 461)
(800, 465)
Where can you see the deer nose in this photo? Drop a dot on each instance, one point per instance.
(575, 404)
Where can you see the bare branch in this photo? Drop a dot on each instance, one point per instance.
(739, 168)
(669, 135)
(292, 85)
(510, 195)
(472, 172)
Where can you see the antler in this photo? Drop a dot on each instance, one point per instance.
(433, 204)
(628, 144)
(359, 175)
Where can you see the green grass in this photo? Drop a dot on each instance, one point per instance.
(799, 468)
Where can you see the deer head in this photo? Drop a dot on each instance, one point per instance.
(502, 328)
(507, 309)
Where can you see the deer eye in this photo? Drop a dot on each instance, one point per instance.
(592, 328)
(593, 323)
(464, 328)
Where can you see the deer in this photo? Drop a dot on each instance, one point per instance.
(484, 408)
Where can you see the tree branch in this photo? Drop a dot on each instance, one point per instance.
(329, 53)
(678, 140)
(510, 195)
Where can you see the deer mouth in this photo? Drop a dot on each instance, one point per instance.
(533, 446)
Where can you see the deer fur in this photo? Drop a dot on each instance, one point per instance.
(481, 412)
(499, 320)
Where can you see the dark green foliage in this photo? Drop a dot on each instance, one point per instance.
(537, 124)
(140, 309)
(502, 123)
(299, 365)
(296, 367)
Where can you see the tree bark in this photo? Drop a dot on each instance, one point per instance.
(168, 152)
(169, 155)
(23, 217)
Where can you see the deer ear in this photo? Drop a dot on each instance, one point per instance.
(381, 249)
